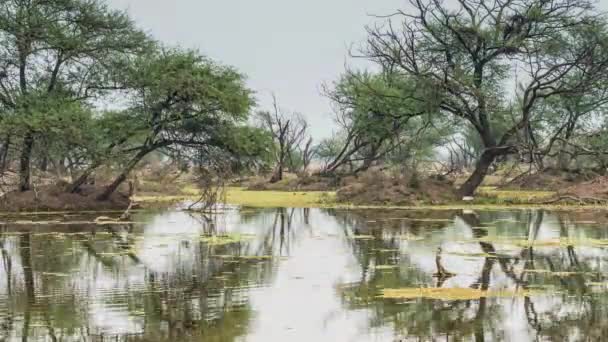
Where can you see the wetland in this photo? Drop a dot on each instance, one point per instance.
(305, 274)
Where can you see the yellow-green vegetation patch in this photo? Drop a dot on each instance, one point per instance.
(260, 199)
(447, 294)
(248, 257)
(410, 238)
(559, 242)
(553, 273)
(54, 274)
(220, 240)
(474, 255)
(363, 237)
(386, 267)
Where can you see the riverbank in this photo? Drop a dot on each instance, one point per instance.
(489, 199)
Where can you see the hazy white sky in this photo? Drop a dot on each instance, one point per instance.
(287, 47)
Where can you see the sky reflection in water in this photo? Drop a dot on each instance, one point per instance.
(307, 275)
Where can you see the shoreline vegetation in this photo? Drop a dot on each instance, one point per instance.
(371, 190)
(260, 199)
(433, 124)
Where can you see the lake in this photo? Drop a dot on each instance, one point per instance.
(306, 275)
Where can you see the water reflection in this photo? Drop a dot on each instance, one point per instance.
(307, 274)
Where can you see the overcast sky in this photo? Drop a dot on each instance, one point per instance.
(287, 47)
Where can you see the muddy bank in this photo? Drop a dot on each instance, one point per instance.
(54, 198)
(294, 183)
(594, 191)
(378, 188)
(549, 179)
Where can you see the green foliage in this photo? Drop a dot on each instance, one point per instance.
(384, 118)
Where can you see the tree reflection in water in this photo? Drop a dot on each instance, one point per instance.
(569, 278)
(163, 280)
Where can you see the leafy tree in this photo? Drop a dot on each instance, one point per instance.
(181, 100)
(55, 53)
(379, 116)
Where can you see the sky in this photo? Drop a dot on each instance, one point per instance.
(286, 47)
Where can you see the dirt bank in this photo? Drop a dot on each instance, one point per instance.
(593, 191)
(379, 188)
(54, 198)
(549, 179)
(294, 183)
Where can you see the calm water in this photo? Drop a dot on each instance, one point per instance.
(308, 275)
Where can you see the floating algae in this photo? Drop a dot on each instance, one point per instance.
(248, 257)
(558, 242)
(447, 294)
(363, 237)
(385, 267)
(220, 240)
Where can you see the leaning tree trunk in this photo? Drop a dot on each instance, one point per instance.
(25, 160)
(110, 189)
(75, 186)
(481, 170)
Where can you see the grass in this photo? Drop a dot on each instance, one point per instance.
(250, 198)
(488, 199)
(491, 195)
(240, 196)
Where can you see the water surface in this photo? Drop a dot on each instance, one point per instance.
(307, 275)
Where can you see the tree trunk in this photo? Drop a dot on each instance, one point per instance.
(75, 186)
(563, 159)
(44, 163)
(25, 160)
(481, 170)
(278, 174)
(5, 148)
(110, 189)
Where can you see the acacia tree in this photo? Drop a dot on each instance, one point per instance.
(181, 100)
(288, 130)
(379, 116)
(57, 52)
(466, 51)
(567, 127)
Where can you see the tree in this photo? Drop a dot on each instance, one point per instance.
(180, 99)
(288, 130)
(466, 52)
(308, 152)
(55, 53)
(379, 115)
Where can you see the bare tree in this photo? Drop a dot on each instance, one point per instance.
(307, 152)
(288, 130)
